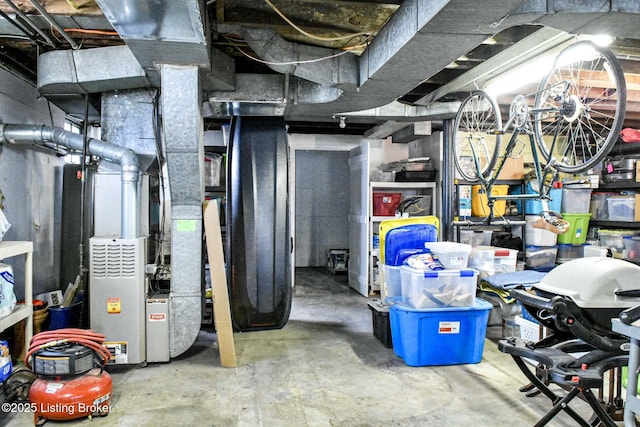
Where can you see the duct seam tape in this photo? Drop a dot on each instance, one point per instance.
(7, 297)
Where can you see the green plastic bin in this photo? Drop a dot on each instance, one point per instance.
(578, 227)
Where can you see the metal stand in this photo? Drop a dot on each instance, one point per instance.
(632, 402)
(559, 367)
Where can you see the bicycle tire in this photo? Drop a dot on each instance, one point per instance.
(478, 123)
(589, 113)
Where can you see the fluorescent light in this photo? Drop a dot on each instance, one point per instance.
(520, 76)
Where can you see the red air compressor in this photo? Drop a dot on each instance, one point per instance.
(71, 379)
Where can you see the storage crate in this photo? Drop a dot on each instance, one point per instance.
(541, 258)
(450, 254)
(491, 259)
(632, 247)
(599, 207)
(569, 252)
(534, 206)
(442, 288)
(578, 227)
(439, 336)
(479, 202)
(621, 208)
(576, 200)
(538, 236)
(385, 204)
(614, 239)
(392, 282)
(529, 329)
(381, 324)
(476, 237)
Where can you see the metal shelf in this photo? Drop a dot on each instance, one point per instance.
(615, 224)
(617, 186)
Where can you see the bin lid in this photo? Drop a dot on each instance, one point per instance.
(594, 282)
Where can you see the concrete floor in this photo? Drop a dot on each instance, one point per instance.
(325, 368)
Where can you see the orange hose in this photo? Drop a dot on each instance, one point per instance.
(99, 32)
(86, 337)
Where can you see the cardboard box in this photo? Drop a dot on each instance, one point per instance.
(464, 200)
(637, 208)
(513, 168)
(637, 174)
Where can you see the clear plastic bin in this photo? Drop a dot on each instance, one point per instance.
(451, 254)
(491, 259)
(621, 208)
(442, 288)
(540, 257)
(576, 201)
(614, 239)
(476, 237)
(632, 247)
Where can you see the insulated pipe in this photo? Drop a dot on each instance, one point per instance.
(127, 158)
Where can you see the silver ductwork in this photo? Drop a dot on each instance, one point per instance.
(183, 146)
(128, 160)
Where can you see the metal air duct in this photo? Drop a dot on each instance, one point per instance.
(128, 160)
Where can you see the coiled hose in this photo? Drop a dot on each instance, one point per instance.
(86, 337)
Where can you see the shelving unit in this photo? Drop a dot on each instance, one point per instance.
(407, 189)
(22, 311)
(501, 222)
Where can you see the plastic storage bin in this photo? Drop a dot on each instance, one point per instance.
(540, 258)
(476, 237)
(385, 204)
(529, 330)
(479, 202)
(621, 208)
(406, 238)
(490, 260)
(442, 288)
(392, 281)
(575, 201)
(614, 239)
(599, 207)
(381, 324)
(632, 247)
(533, 206)
(578, 227)
(538, 236)
(439, 336)
(450, 254)
(569, 252)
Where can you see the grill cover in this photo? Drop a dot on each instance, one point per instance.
(593, 282)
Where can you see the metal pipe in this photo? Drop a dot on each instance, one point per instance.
(53, 22)
(37, 29)
(126, 157)
(18, 25)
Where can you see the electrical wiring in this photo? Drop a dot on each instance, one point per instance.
(301, 31)
(234, 43)
(97, 32)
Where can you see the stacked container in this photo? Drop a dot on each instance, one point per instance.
(438, 320)
(576, 206)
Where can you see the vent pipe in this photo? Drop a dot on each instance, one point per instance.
(127, 158)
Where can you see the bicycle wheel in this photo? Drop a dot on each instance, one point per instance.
(476, 136)
(583, 99)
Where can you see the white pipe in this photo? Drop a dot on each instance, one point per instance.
(127, 158)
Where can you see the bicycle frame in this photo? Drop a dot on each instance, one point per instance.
(544, 188)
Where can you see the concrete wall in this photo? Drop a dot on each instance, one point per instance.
(31, 181)
(322, 205)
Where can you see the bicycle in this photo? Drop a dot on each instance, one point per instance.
(574, 122)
